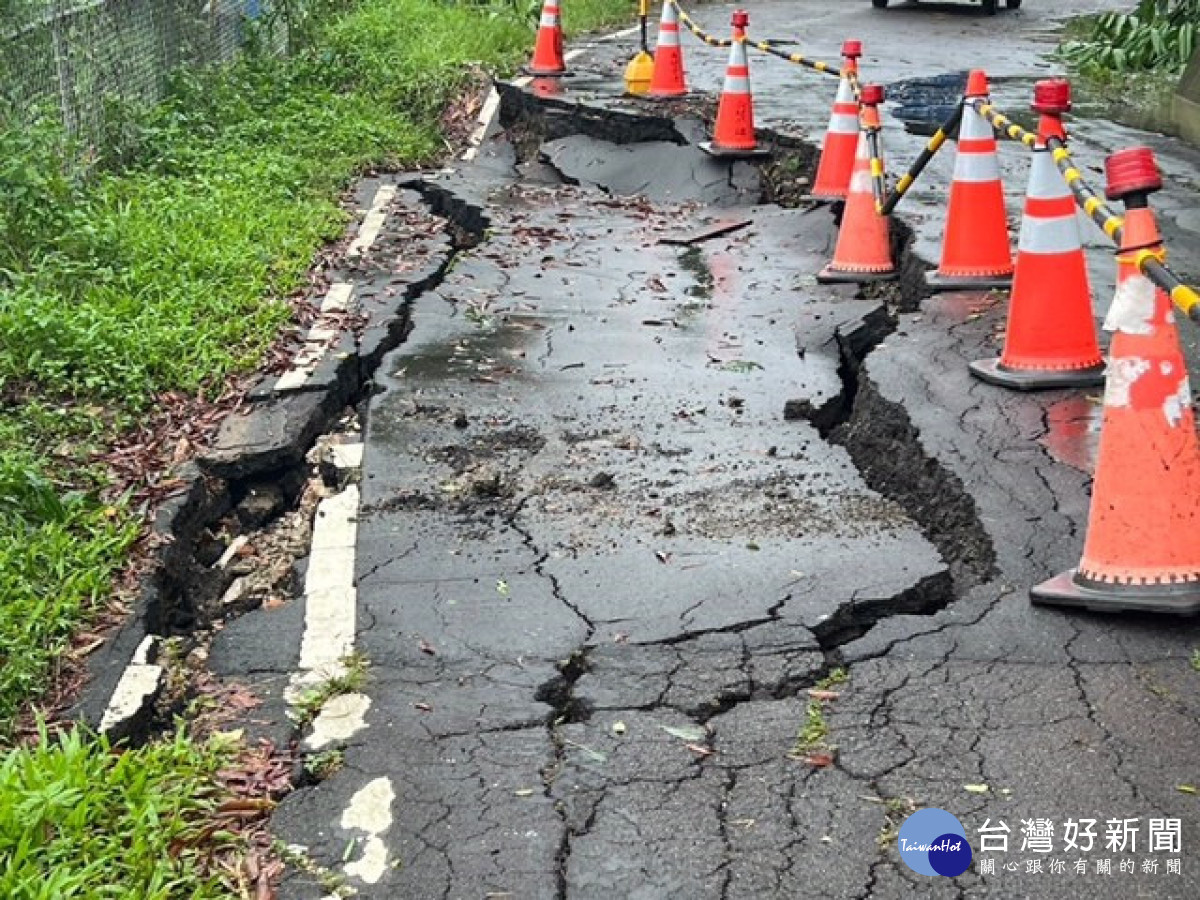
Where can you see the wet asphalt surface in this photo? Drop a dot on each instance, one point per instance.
(599, 569)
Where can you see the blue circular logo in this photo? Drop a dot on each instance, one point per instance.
(933, 842)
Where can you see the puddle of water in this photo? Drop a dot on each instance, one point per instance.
(546, 87)
(963, 305)
(692, 261)
(490, 352)
(1073, 435)
(925, 103)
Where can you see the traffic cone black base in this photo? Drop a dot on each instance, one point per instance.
(938, 282)
(1071, 589)
(830, 275)
(731, 153)
(993, 372)
(532, 73)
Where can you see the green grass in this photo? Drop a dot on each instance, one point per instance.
(161, 260)
(308, 706)
(78, 820)
(57, 553)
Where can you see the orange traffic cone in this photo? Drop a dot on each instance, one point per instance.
(733, 135)
(548, 51)
(832, 181)
(975, 249)
(1051, 338)
(667, 80)
(863, 251)
(1140, 552)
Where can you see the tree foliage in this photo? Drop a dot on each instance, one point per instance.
(1156, 35)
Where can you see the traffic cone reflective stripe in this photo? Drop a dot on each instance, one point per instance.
(548, 51)
(1140, 551)
(975, 248)
(1050, 340)
(863, 250)
(832, 181)
(668, 80)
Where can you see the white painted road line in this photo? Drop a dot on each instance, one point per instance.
(330, 596)
(370, 810)
(139, 683)
(337, 298)
(321, 336)
(491, 106)
(372, 223)
(340, 719)
(487, 119)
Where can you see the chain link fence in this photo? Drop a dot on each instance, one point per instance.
(80, 59)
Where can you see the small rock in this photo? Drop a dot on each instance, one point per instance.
(603, 481)
(461, 420)
(261, 503)
(797, 409)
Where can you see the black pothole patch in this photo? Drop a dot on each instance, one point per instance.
(559, 692)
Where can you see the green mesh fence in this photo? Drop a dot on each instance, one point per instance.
(81, 59)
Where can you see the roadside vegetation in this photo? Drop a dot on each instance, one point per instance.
(1130, 62)
(151, 266)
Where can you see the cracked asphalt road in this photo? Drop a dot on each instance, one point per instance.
(600, 572)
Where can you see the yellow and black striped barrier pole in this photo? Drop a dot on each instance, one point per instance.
(1150, 261)
(1089, 201)
(797, 59)
(878, 174)
(695, 29)
(887, 204)
(764, 46)
(1185, 298)
(852, 77)
(1003, 123)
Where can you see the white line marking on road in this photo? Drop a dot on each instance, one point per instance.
(340, 719)
(370, 810)
(617, 35)
(321, 336)
(372, 223)
(330, 595)
(140, 681)
(491, 106)
(487, 119)
(337, 298)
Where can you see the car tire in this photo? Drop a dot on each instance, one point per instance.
(879, 4)
(989, 7)
(1012, 4)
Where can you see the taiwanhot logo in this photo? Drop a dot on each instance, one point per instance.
(933, 842)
